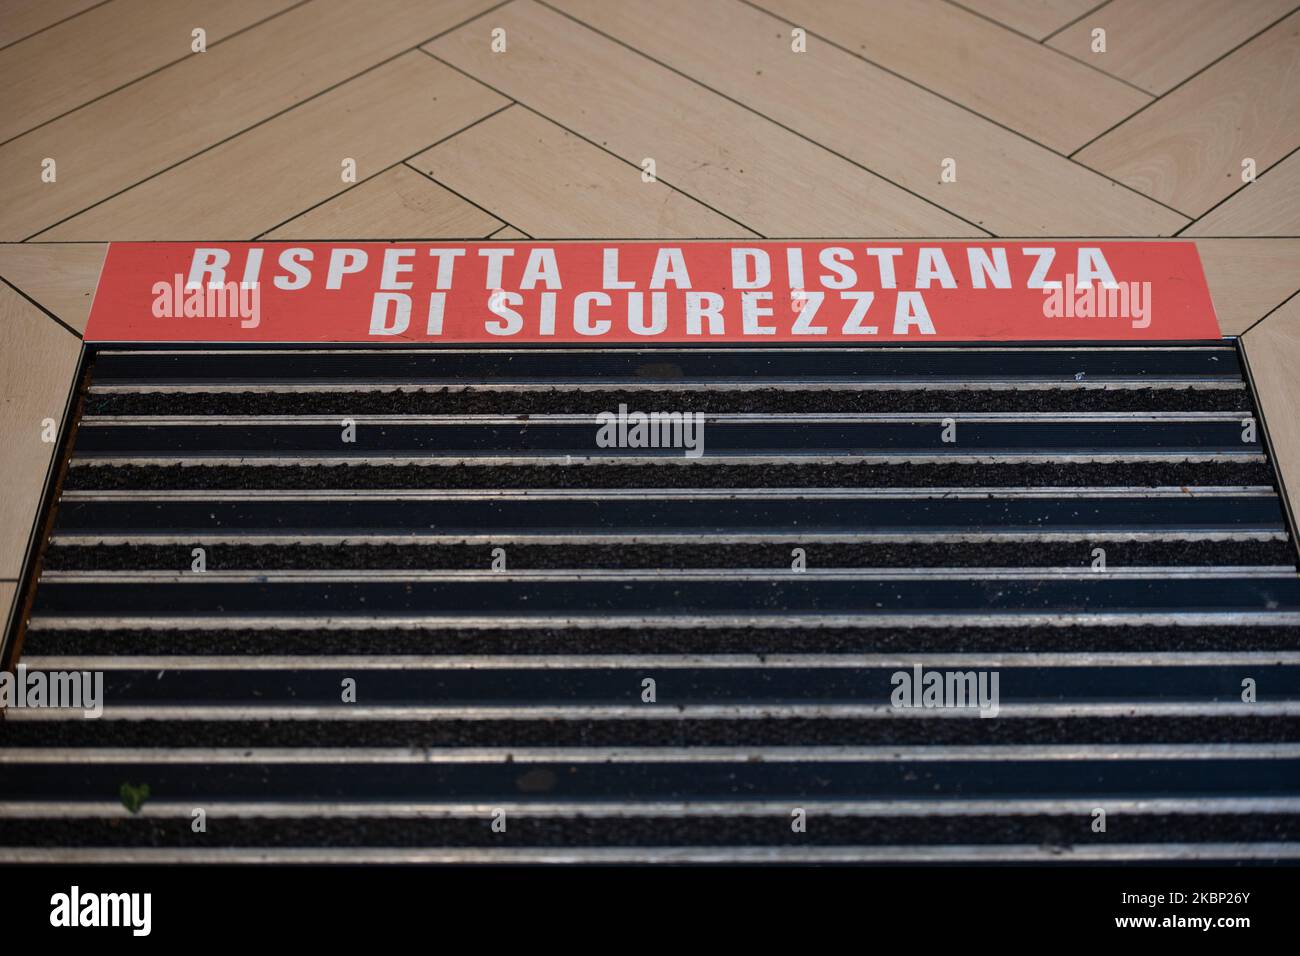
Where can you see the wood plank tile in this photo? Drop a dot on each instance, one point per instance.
(1035, 18)
(60, 276)
(119, 140)
(507, 234)
(1248, 278)
(22, 18)
(1156, 44)
(266, 176)
(1186, 150)
(765, 177)
(1004, 183)
(38, 359)
(555, 185)
(396, 204)
(1270, 206)
(999, 74)
(102, 49)
(1273, 354)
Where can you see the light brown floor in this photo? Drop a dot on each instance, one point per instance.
(547, 140)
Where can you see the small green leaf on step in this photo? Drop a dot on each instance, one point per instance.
(134, 795)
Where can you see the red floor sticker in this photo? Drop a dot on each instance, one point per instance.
(619, 292)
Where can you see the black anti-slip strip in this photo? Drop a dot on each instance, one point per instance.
(686, 555)
(628, 638)
(923, 730)
(828, 829)
(715, 438)
(675, 473)
(447, 401)
(676, 685)
(687, 516)
(791, 594)
(1100, 778)
(750, 366)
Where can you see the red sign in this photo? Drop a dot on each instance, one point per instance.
(654, 292)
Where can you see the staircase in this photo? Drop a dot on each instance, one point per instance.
(396, 605)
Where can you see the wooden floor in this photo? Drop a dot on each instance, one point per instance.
(774, 118)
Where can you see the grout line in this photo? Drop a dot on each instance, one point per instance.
(41, 307)
(13, 627)
(985, 16)
(962, 106)
(503, 229)
(308, 99)
(658, 179)
(99, 277)
(378, 173)
(145, 76)
(1239, 189)
(591, 142)
(1181, 83)
(774, 122)
(1268, 313)
(501, 219)
(755, 4)
(1151, 97)
(51, 26)
(1293, 520)
(1082, 16)
(1057, 50)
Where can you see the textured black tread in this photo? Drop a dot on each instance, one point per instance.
(449, 401)
(686, 555)
(632, 639)
(682, 473)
